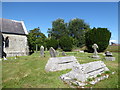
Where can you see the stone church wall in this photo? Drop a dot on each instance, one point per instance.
(17, 45)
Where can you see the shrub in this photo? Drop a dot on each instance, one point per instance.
(100, 36)
(52, 43)
(65, 43)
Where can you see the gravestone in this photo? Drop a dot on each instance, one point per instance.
(107, 53)
(63, 53)
(52, 52)
(95, 56)
(61, 63)
(46, 49)
(81, 73)
(57, 53)
(81, 51)
(42, 51)
(109, 56)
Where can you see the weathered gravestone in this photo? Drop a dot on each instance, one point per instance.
(81, 51)
(95, 46)
(57, 53)
(107, 53)
(52, 52)
(81, 73)
(61, 63)
(109, 56)
(63, 53)
(42, 51)
(46, 49)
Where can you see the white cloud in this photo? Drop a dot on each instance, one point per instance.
(114, 41)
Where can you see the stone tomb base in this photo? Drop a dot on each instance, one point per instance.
(61, 63)
(110, 58)
(96, 57)
(83, 74)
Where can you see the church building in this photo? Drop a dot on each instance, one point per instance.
(13, 38)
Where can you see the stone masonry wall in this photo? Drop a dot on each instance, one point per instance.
(17, 45)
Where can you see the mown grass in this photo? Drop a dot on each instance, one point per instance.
(28, 72)
(113, 48)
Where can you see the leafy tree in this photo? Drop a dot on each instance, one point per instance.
(58, 29)
(77, 28)
(66, 43)
(36, 37)
(100, 36)
(51, 43)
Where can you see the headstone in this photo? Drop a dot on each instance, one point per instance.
(46, 49)
(107, 53)
(61, 63)
(63, 53)
(52, 52)
(42, 51)
(57, 53)
(81, 73)
(95, 46)
(109, 56)
(81, 51)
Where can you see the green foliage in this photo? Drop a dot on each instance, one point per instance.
(77, 28)
(100, 36)
(98, 75)
(65, 43)
(107, 72)
(58, 29)
(89, 79)
(52, 43)
(36, 37)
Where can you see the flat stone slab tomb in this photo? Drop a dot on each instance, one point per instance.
(80, 74)
(61, 63)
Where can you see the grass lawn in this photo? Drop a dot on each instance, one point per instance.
(28, 72)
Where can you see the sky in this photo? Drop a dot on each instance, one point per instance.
(41, 14)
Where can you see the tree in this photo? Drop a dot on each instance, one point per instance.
(77, 28)
(66, 43)
(35, 37)
(100, 36)
(51, 43)
(58, 29)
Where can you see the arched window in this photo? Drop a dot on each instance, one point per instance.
(7, 42)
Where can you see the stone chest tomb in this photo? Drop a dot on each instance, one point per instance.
(61, 63)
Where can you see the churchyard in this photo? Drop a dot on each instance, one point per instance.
(29, 71)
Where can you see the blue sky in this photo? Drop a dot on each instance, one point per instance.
(41, 14)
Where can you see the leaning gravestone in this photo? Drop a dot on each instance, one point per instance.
(95, 56)
(52, 52)
(42, 51)
(109, 56)
(81, 73)
(61, 63)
